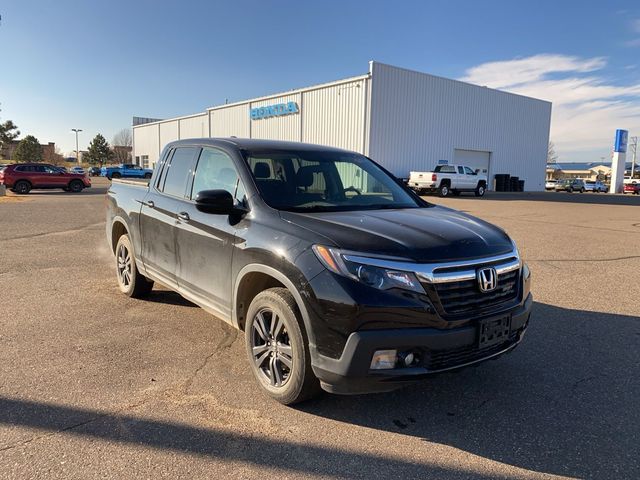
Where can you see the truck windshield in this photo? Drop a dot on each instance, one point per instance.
(305, 181)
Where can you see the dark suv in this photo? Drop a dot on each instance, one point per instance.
(23, 177)
(340, 277)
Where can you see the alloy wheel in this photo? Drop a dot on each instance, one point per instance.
(124, 266)
(271, 348)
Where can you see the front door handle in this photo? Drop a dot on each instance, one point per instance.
(184, 216)
(149, 204)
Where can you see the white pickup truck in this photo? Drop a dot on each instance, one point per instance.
(448, 179)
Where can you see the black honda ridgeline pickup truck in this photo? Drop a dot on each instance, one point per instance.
(340, 277)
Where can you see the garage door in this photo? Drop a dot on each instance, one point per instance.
(473, 158)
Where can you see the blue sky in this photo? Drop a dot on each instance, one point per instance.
(93, 65)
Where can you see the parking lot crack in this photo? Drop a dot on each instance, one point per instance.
(59, 232)
(227, 340)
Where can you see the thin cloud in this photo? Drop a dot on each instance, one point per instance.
(587, 106)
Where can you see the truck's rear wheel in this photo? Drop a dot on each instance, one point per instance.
(130, 280)
(278, 349)
(444, 190)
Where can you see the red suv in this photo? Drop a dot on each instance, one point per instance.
(22, 177)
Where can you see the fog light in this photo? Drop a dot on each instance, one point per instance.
(408, 359)
(383, 359)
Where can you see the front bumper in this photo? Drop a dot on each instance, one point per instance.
(442, 349)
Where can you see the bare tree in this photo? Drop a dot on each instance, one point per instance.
(123, 138)
(122, 143)
(552, 156)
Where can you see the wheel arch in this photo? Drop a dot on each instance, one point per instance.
(118, 228)
(255, 278)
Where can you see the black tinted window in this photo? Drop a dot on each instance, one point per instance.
(324, 181)
(175, 181)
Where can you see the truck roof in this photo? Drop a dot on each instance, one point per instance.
(257, 144)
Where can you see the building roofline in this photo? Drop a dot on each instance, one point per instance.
(459, 81)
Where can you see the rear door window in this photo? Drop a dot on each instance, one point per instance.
(179, 170)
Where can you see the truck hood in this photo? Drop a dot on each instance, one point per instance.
(427, 235)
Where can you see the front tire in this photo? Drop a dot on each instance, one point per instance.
(147, 175)
(131, 282)
(480, 190)
(115, 175)
(278, 348)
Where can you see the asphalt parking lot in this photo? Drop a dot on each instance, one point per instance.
(97, 385)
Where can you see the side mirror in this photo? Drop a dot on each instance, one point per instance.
(477, 171)
(218, 202)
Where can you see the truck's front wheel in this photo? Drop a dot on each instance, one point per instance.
(480, 190)
(130, 280)
(278, 349)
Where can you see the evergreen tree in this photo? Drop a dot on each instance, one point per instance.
(8, 132)
(28, 150)
(99, 151)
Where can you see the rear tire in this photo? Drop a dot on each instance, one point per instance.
(22, 187)
(131, 282)
(278, 348)
(480, 190)
(444, 190)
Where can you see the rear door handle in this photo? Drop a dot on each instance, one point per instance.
(184, 216)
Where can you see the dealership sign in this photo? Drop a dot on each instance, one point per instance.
(277, 110)
(621, 141)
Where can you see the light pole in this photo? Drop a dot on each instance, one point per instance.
(77, 130)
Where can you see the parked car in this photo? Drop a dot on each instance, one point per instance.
(595, 186)
(632, 188)
(126, 170)
(78, 170)
(550, 184)
(23, 177)
(446, 179)
(571, 185)
(340, 277)
(94, 171)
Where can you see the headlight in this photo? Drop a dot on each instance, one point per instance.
(376, 277)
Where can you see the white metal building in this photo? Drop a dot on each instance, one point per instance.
(403, 119)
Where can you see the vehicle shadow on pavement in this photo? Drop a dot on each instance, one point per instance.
(101, 190)
(564, 402)
(169, 297)
(301, 458)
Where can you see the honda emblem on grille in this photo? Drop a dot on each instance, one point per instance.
(487, 279)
